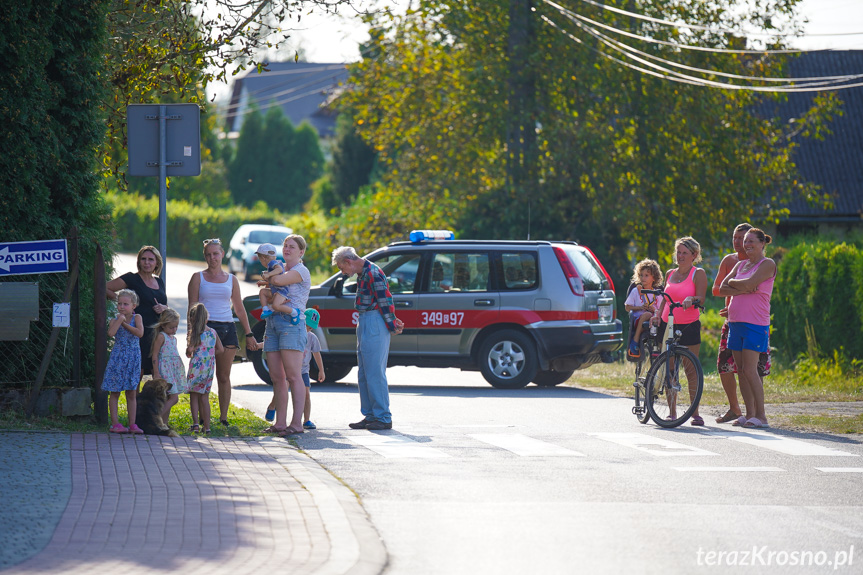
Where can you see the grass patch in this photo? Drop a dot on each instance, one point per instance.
(802, 383)
(243, 423)
(832, 424)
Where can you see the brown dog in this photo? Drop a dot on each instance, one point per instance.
(151, 401)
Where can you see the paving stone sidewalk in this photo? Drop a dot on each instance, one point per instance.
(107, 503)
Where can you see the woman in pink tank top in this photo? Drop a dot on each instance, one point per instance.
(686, 284)
(750, 284)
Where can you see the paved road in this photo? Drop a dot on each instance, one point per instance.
(478, 480)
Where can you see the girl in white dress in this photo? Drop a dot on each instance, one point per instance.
(167, 364)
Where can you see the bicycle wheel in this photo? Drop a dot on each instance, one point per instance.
(640, 409)
(671, 402)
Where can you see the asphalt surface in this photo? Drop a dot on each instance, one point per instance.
(102, 503)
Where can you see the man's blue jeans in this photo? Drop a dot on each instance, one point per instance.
(373, 348)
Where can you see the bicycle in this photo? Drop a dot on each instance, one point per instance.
(649, 347)
(665, 404)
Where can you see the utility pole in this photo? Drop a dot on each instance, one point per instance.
(521, 92)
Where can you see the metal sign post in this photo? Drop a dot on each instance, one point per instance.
(164, 149)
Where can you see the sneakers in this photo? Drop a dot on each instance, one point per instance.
(266, 313)
(309, 425)
(634, 349)
(270, 415)
(136, 430)
(118, 428)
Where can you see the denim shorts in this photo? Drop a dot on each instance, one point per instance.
(280, 334)
(307, 380)
(226, 331)
(742, 335)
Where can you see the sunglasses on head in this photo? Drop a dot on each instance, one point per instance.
(212, 241)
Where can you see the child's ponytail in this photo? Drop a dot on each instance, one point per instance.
(197, 321)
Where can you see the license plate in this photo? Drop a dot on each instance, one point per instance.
(604, 313)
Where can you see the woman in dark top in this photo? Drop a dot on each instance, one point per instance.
(151, 293)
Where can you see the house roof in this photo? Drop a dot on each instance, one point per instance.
(836, 162)
(301, 88)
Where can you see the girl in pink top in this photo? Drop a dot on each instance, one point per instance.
(686, 284)
(750, 284)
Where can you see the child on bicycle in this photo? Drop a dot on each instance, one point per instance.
(641, 306)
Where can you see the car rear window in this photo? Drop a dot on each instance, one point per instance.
(267, 237)
(519, 270)
(589, 271)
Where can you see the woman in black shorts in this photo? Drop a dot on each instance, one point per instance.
(218, 291)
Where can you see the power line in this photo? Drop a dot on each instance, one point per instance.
(685, 79)
(708, 28)
(667, 43)
(793, 82)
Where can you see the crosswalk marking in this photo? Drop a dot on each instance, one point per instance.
(652, 445)
(840, 469)
(524, 445)
(394, 446)
(779, 443)
(727, 469)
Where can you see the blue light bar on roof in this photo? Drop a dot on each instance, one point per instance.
(418, 236)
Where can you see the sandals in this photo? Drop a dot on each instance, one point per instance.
(741, 421)
(118, 428)
(729, 416)
(697, 420)
(195, 428)
(289, 431)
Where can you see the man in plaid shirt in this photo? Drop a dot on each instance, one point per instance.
(377, 318)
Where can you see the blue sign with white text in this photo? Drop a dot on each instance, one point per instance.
(39, 257)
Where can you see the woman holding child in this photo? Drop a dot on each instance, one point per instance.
(285, 338)
(750, 284)
(219, 291)
(686, 284)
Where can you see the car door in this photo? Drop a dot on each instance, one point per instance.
(456, 302)
(402, 269)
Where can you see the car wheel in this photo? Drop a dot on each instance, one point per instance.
(551, 378)
(259, 358)
(334, 371)
(507, 359)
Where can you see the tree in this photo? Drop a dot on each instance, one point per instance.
(619, 155)
(172, 49)
(352, 165)
(275, 163)
(243, 172)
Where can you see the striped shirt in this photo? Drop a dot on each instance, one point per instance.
(373, 292)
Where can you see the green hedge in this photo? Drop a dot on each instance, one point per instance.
(820, 282)
(136, 221)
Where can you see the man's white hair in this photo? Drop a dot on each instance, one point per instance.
(343, 253)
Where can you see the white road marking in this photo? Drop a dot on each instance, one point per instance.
(652, 445)
(726, 469)
(779, 443)
(395, 446)
(840, 469)
(524, 445)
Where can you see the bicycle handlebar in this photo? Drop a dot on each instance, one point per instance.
(674, 304)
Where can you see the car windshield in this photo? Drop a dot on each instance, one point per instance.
(267, 237)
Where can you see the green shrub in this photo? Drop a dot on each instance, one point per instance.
(820, 283)
(136, 220)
